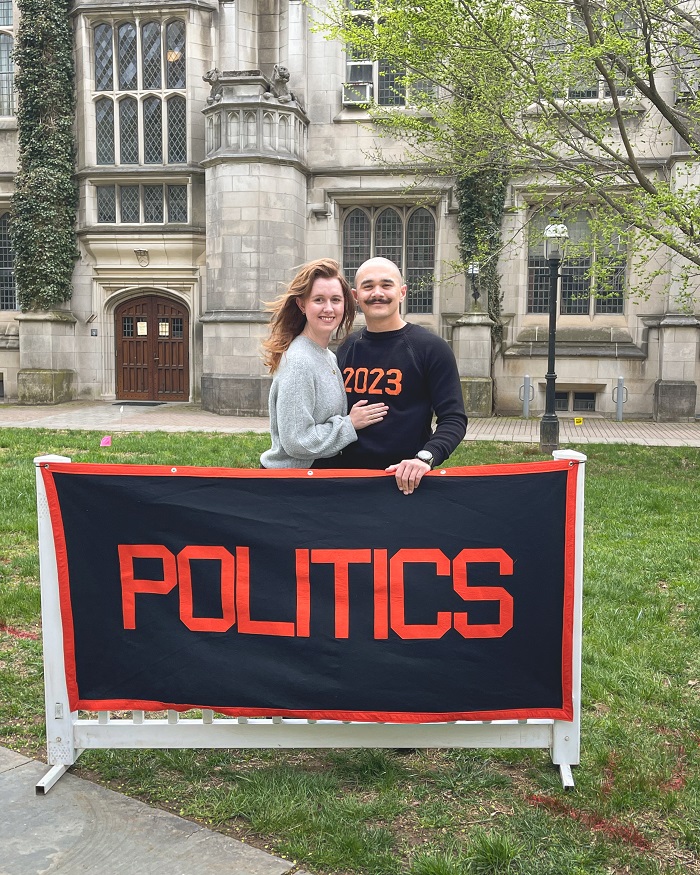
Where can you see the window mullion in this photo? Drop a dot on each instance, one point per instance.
(139, 91)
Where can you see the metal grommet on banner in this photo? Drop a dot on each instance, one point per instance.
(443, 471)
(173, 470)
(310, 473)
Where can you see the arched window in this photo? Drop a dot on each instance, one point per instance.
(357, 242)
(128, 130)
(389, 232)
(402, 234)
(8, 293)
(7, 76)
(420, 261)
(126, 54)
(104, 118)
(175, 54)
(104, 58)
(152, 131)
(177, 130)
(234, 130)
(150, 55)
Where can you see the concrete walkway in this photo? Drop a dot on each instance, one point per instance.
(80, 827)
(110, 417)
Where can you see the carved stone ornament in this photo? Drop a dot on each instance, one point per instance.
(280, 86)
(213, 77)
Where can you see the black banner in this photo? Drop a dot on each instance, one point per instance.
(317, 594)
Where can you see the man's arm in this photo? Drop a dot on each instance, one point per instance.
(447, 401)
(445, 391)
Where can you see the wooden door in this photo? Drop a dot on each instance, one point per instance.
(152, 350)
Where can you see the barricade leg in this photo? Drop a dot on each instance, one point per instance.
(61, 751)
(566, 737)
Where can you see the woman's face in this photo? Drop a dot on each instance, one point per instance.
(324, 306)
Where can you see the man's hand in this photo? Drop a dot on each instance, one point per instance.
(408, 473)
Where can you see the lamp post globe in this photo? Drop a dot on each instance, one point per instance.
(556, 234)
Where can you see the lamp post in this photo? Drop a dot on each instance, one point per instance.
(555, 236)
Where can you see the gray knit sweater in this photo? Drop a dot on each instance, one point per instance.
(308, 408)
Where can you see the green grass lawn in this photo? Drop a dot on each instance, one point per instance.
(636, 805)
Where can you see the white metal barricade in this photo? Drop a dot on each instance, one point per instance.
(68, 734)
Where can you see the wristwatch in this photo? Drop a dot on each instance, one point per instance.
(426, 457)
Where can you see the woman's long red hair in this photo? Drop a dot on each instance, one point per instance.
(288, 321)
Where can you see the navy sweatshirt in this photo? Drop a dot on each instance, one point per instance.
(414, 372)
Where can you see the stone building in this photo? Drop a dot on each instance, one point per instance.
(220, 145)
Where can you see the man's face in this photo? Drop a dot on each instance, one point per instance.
(379, 291)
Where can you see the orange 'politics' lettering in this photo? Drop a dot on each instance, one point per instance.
(389, 597)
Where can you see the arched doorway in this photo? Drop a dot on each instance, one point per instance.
(152, 350)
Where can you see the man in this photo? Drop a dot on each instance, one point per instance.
(411, 370)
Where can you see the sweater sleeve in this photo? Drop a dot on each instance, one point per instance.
(447, 401)
(300, 435)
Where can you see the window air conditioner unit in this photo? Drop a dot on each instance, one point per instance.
(357, 93)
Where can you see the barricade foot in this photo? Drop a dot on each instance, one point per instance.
(567, 778)
(49, 779)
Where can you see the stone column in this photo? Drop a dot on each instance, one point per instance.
(47, 372)
(471, 343)
(256, 224)
(675, 393)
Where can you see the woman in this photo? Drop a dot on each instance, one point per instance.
(308, 403)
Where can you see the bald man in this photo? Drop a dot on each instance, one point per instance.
(411, 370)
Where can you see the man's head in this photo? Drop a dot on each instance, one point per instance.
(379, 290)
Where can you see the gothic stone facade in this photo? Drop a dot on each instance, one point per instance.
(222, 145)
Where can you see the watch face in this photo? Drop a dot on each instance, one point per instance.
(425, 456)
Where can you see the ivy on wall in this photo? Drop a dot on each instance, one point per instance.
(45, 199)
(481, 200)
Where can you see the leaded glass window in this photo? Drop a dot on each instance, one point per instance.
(153, 203)
(129, 130)
(177, 130)
(389, 232)
(575, 287)
(357, 242)
(8, 292)
(129, 204)
(132, 204)
(150, 53)
(592, 271)
(126, 54)
(177, 203)
(133, 59)
(104, 58)
(152, 131)
(106, 203)
(420, 261)
(7, 76)
(104, 116)
(369, 80)
(391, 90)
(402, 234)
(175, 54)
